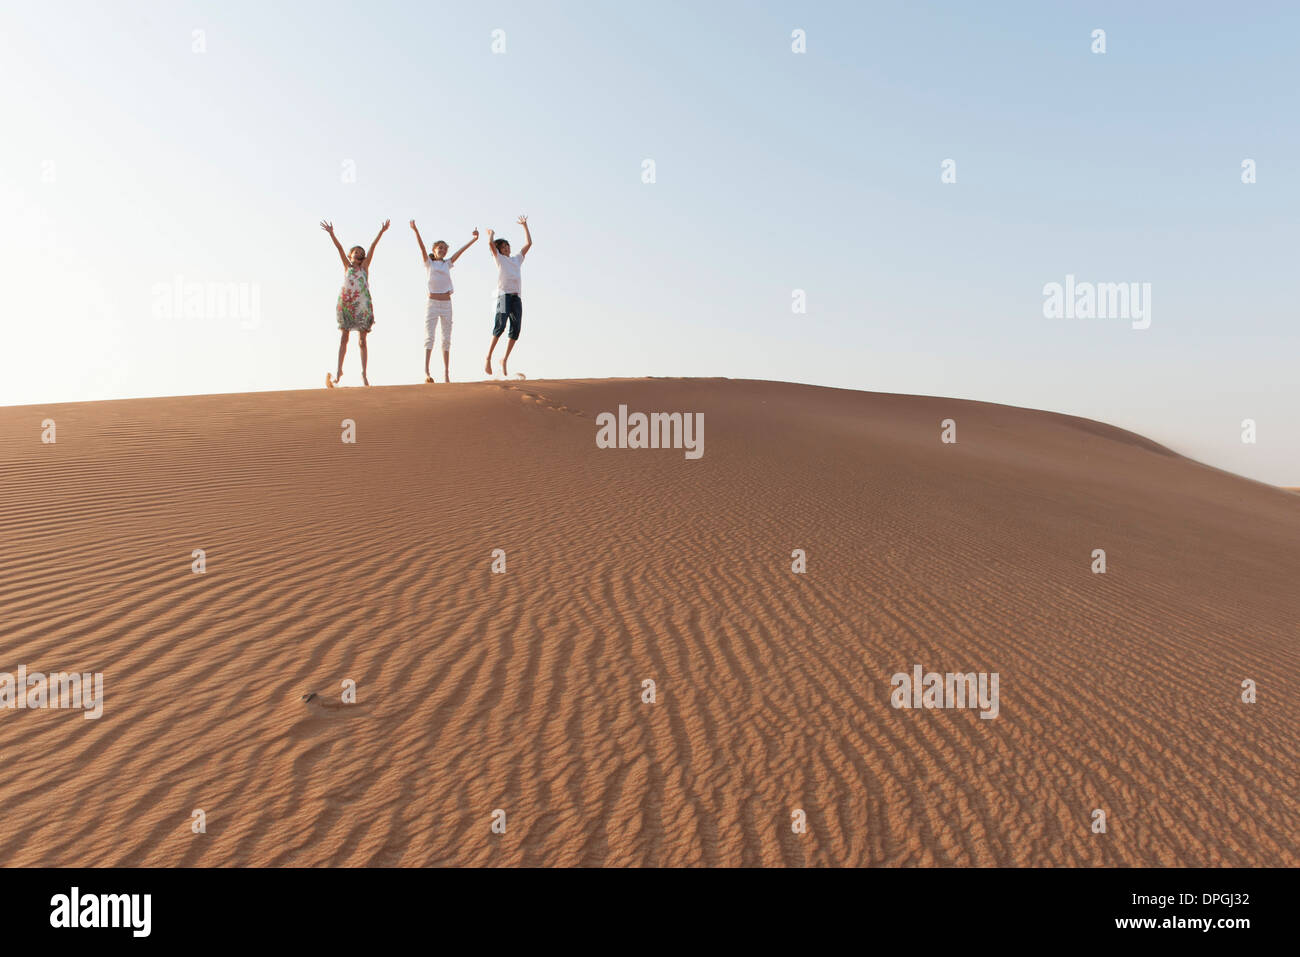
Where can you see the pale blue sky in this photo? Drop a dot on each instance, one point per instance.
(130, 160)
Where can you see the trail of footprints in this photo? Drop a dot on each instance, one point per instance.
(545, 402)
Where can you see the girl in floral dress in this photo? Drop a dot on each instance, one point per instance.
(354, 310)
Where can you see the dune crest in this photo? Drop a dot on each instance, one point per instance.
(500, 589)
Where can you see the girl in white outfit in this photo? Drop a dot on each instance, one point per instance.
(438, 312)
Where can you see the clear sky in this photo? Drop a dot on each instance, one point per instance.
(139, 155)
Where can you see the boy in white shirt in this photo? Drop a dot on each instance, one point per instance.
(438, 267)
(509, 304)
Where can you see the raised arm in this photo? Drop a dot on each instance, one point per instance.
(456, 254)
(370, 256)
(424, 253)
(329, 228)
(528, 237)
(492, 244)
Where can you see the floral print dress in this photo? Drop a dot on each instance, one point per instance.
(355, 310)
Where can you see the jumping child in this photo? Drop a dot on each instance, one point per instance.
(438, 267)
(509, 305)
(354, 309)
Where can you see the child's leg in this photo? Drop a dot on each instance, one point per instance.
(446, 342)
(430, 319)
(498, 327)
(343, 350)
(361, 340)
(516, 311)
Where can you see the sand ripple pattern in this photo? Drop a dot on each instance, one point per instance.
(522, 691)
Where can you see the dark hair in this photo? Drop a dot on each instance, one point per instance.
(501, 242)
(355, 248)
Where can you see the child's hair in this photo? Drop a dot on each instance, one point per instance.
(437, 243)
(501, 242)
(355, 248)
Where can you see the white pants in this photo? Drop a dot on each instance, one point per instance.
(438, 309)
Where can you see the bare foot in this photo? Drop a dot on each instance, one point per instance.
(364, 380)
(427, 377)
(487, 366)
(504, 373)
(447, 379)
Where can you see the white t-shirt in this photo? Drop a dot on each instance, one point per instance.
(508, 272)
(439, 275)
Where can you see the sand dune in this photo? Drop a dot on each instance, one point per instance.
(522, 691)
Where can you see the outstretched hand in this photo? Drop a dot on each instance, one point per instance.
(328, 227)
(384, 228)
(475, 233)
(412, 224)
(522, 220)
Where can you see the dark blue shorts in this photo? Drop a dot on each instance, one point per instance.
(509, 306)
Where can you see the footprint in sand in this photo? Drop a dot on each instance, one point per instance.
(316, 702)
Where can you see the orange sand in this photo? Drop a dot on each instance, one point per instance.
(522, 691)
